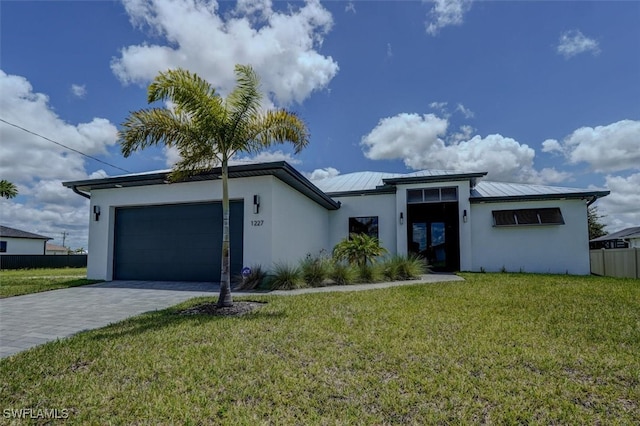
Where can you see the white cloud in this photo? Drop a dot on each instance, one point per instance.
(573, 42)
(419, 141)
(621, 207)
(445, 13)
(465, 111)
(320, 174)
(280, 45)
(267, 157)
(79, 90)
(609, 148)
(389, 51)
(350, 7)
(38, 166)
(551, 145)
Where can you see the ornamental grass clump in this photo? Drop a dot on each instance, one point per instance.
(342, 274)
(411, 267)
(286, 277)
(252, 281)
(315, 271)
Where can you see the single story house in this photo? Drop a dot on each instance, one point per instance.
(15, 241)
(626, 238)
(54, 249)
(143, 227)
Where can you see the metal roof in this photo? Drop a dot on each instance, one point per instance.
(7, 232)
(633, 232)
(280, 169)
(359, 183)
(367, 182)
(487, 191)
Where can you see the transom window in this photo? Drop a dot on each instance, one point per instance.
(521, 217)
(364, 225)
(432, 195)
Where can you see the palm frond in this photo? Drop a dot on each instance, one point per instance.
(190, 94)
(243, 103)
(279, 126)
(149, 127)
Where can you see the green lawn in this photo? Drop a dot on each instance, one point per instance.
(26, 281)
(496, 348)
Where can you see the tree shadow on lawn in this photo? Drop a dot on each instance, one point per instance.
(196, 311)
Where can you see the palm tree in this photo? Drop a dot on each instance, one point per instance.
(358, 249)
(8, 189)
(207, 130)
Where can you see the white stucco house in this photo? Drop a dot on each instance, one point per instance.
(144, 228)
(16, 241)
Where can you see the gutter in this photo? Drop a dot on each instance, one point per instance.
(77, 191)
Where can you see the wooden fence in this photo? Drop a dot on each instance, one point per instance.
(35, 261)
(623, 263)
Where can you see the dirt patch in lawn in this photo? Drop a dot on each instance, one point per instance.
(238, 309)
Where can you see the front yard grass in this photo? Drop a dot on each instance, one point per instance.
(27, 281)
(496, 348)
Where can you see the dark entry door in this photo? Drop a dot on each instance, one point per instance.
(433, 234)
(177, 242)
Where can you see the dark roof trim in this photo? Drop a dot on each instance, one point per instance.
(441, 178)
(537, 197)
(378, 191)
(7, 232)
(280, 169)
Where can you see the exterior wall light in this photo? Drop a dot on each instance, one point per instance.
(401, 218)
(256, 204)
(96, 212)
(464, 216)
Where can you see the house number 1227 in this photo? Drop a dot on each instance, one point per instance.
(257, 222)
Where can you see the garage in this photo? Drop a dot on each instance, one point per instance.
(175, 242)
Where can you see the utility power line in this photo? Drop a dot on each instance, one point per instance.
(64, 146)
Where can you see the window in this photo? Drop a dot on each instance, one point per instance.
(549, 216)
(364, 225)
(432, 195)
(3, 246)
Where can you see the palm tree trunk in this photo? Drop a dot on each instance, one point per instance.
(224, 299)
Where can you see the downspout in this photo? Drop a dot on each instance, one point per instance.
(77, 191)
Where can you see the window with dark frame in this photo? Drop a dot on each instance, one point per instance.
(364, 225)
(524, 217)
(432, 195)
(3, 246)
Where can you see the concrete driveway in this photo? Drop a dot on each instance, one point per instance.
(34, 319)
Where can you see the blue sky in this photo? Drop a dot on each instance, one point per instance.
(534, 92)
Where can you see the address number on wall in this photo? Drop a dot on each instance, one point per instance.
(257, 222)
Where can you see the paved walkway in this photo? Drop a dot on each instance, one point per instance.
(34, 319)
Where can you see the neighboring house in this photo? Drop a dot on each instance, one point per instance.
(627, 238)
(143, 227)
(53, 249)
(15, 241)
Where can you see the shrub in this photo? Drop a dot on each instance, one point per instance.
(251, 282)
(286, 277)
(390, 268)
(358, 249)
(411, 267)
(369, 274)
(342, 274)
(315, 271)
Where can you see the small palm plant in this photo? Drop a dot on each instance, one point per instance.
(358, 249)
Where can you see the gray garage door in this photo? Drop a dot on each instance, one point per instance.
(181, 242)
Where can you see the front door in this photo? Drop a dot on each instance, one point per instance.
(433, 234)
